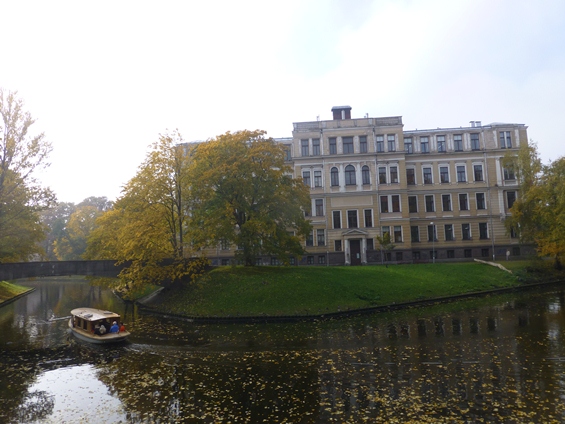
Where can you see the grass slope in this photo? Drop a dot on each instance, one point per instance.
(317, 290)
(9, 291)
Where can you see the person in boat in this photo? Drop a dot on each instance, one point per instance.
(102, 329)
(97, 329)
(122, 327)
(114, 328)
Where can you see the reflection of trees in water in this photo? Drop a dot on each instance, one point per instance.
(36, 406)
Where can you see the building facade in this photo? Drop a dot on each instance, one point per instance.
(441, 194)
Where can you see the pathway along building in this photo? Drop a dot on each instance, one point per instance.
(442, 194)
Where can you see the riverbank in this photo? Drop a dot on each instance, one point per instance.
(306, 291)
(10, 292)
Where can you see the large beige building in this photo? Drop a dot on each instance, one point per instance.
(442, 194)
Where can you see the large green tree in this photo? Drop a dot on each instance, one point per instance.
(538, 215)
(245, 195)
(21, 195)
(146, 228)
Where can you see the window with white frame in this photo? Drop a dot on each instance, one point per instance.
(475, 142)
(458, 143)
(347, 145)
(427, 173)
(424, 144)
(380, 143)
(480, 198)
(304, 147)
(352, 221)
(350, 175)
(384, 204)
(337, 245)
(510, 198)
(397, 234)
(391, 143)
(390, 203)
(315, 146)
(478, 171)
(446, 202)
(365, 175)
(414, 234)
(505, 140)
(310, 239)
(319, 204)
(412, 204)
(408, 148)
(363, 144)
(395, 202)
(432, 233)
(306, 178)
(448, 228)
(430, 206)
(368, 218)
(444, 174)
(382, 174)
(333, 145)
(334, 176)
(483, 230)
(461, 173)
(336, 216)
(440, 143)
(321, 237)
(410, 176)
(393, 174)
(318, 178)
(463, 202)
(509, 173)
(466, 231)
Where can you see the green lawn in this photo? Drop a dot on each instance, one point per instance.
(314, 290)
(8, 291)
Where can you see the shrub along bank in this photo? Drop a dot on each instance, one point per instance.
(275, 291)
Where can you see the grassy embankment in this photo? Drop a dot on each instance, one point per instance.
(318, 290)
(9, 291)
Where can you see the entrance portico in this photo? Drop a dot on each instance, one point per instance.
(355, 242)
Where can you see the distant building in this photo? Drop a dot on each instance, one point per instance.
(441, 192)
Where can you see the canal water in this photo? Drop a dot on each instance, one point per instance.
(495, 359)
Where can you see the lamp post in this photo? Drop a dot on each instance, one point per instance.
(433, 242)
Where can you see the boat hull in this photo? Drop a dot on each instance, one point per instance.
(108, 338)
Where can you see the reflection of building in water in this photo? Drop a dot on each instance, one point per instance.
(440, 193)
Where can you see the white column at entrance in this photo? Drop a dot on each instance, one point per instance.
(364, 251)
(347, 253)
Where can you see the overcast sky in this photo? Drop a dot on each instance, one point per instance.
(104, 79)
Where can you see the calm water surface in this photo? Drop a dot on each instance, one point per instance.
(498, 359)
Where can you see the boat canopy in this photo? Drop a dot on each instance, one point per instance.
(92, 314)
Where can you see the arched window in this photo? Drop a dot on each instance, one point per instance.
(350, 175)
(334, 173)
(365, 174)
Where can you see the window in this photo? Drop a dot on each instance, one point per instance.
(363, 144)
(446, 202)
(461, 175)
(412, 204)
(463, 202)
(408, 145)
(319, 207)
(468, 253)
(391, 143)
(416, 256)
(350, 175)
(475, 142)
(321, 237)
(382, 175)
(306, 178)
(337, 245)
(316, 146)
(305, 150)
(317, 178)
(458, 143)
(449, 232)
(287, 155)
(347, 145)
(424, 144)
(414, 234)
(451, 254)
(352, 219)
(395, 201)
(427, 175)
(509, 173)
(321, 259)
(224, 244)
(516, 251)
(334, 176)
(510, 198)
(432, 233)
(481, 204)
(336, 219)
(466, 231)
(368, 217)
(483, 230)
(444, 174)
(484, 253)
(370, 244)
(441, 143)
(275, 261)
(365, 175)
(385, 229)
(380, 143)
(430, 203)
(394, 175)
(513, 233)
(333, 146)
(505, 140)
(478, 171)
(384, 204)
(310, 239)
(410, 176)
(397, 234)
(310, 260)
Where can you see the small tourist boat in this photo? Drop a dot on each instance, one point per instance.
(85, 324)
